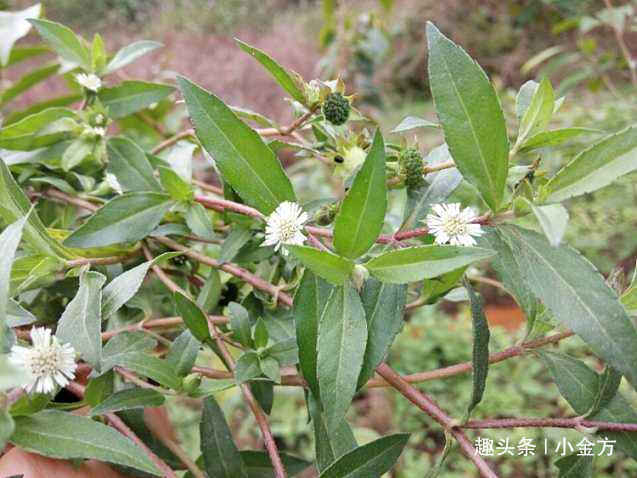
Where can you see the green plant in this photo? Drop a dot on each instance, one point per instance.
(241, 279)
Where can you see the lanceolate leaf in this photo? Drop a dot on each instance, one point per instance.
(129, 217)
(130, 53)
(81, 322)
(362, 213)
(258, 464)
(63, 435)
(471, 116)
(290, 82)
(132, 96)
(244, 160)
(596, 167)
(9, 241)
(123, 287)
(330, 444)
(128, 399)
(538, 114)
(372, 459)
(579, 385)
(309, 305)
(334, 269)
(554, 137)
(124, 343)
(553, 219)
(240, 324)
(341, 348)
(578, 296)
(384, 306)
(480, 360)
(149, 366)
(220, 454)
(412, 264)
(183, 353)
(410, 123)
(38, 130)
(129, 164)
(64, 42)
(609, 382)
(193, 317)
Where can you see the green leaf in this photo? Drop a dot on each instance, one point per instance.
(384, 306)
(128, 399)
(309, 304)
(284, 351)
(575, 466)
(341, 348)
(471, 117)
(210, 293)
(98, 54)
(554, 137)
(579, 385)
(15, 26)
(372, 459)
(27, 81)
(76, 152)
(596, 166)
(480, 356)
(412, 264)
(260, 335)
(609, 382)
(178, 189)
(63, 435)
(7, 427)
(538, 114)
(440, 186)
(35, 108)
(270, 368)
(81, 322)
(183, 353)
(244, 160)
(193, 317)
(126, 218)
(149, 366)
(220, 454)
(64, 42)
(332, 268)
(124, 343)
(129, 164)
(123, 287)
(410, 123)
(362, 213)
(199, 222)
(330, 444)
(238, 237)
(578, 296)
(553, 219)
(130, 53)
(258, 464)
(41, 129)
(17, 316)
(132, 96)
(509, 273)
(289, 81)
(524, 96)
(240, 324)
(99, 388)
(247, 367)
(9, 242)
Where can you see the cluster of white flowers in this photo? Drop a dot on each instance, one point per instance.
(90, 82)
(450, 224)
(47, 362)
(285, 226)
(95, 131)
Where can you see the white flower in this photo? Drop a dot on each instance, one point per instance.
(90, 82)
(451, 225)
(47, 361)
(99, 119)
(114, 184)
(95, 131)
(285, 226)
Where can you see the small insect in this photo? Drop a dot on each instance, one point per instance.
(339, 159)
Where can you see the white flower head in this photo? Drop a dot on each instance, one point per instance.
(451, 225)
(47, 362)
(285, 226)
(94, 131)
(90, 82)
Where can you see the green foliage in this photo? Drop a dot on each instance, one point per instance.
(112, 243)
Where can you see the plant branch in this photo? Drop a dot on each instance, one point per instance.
(289, 129)
(165, 322)
(172, 140)
(574, 422)
(120, 426)
(427, 405)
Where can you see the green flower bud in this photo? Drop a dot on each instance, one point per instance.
(191, 382)
(336, 108)
(411, 167)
